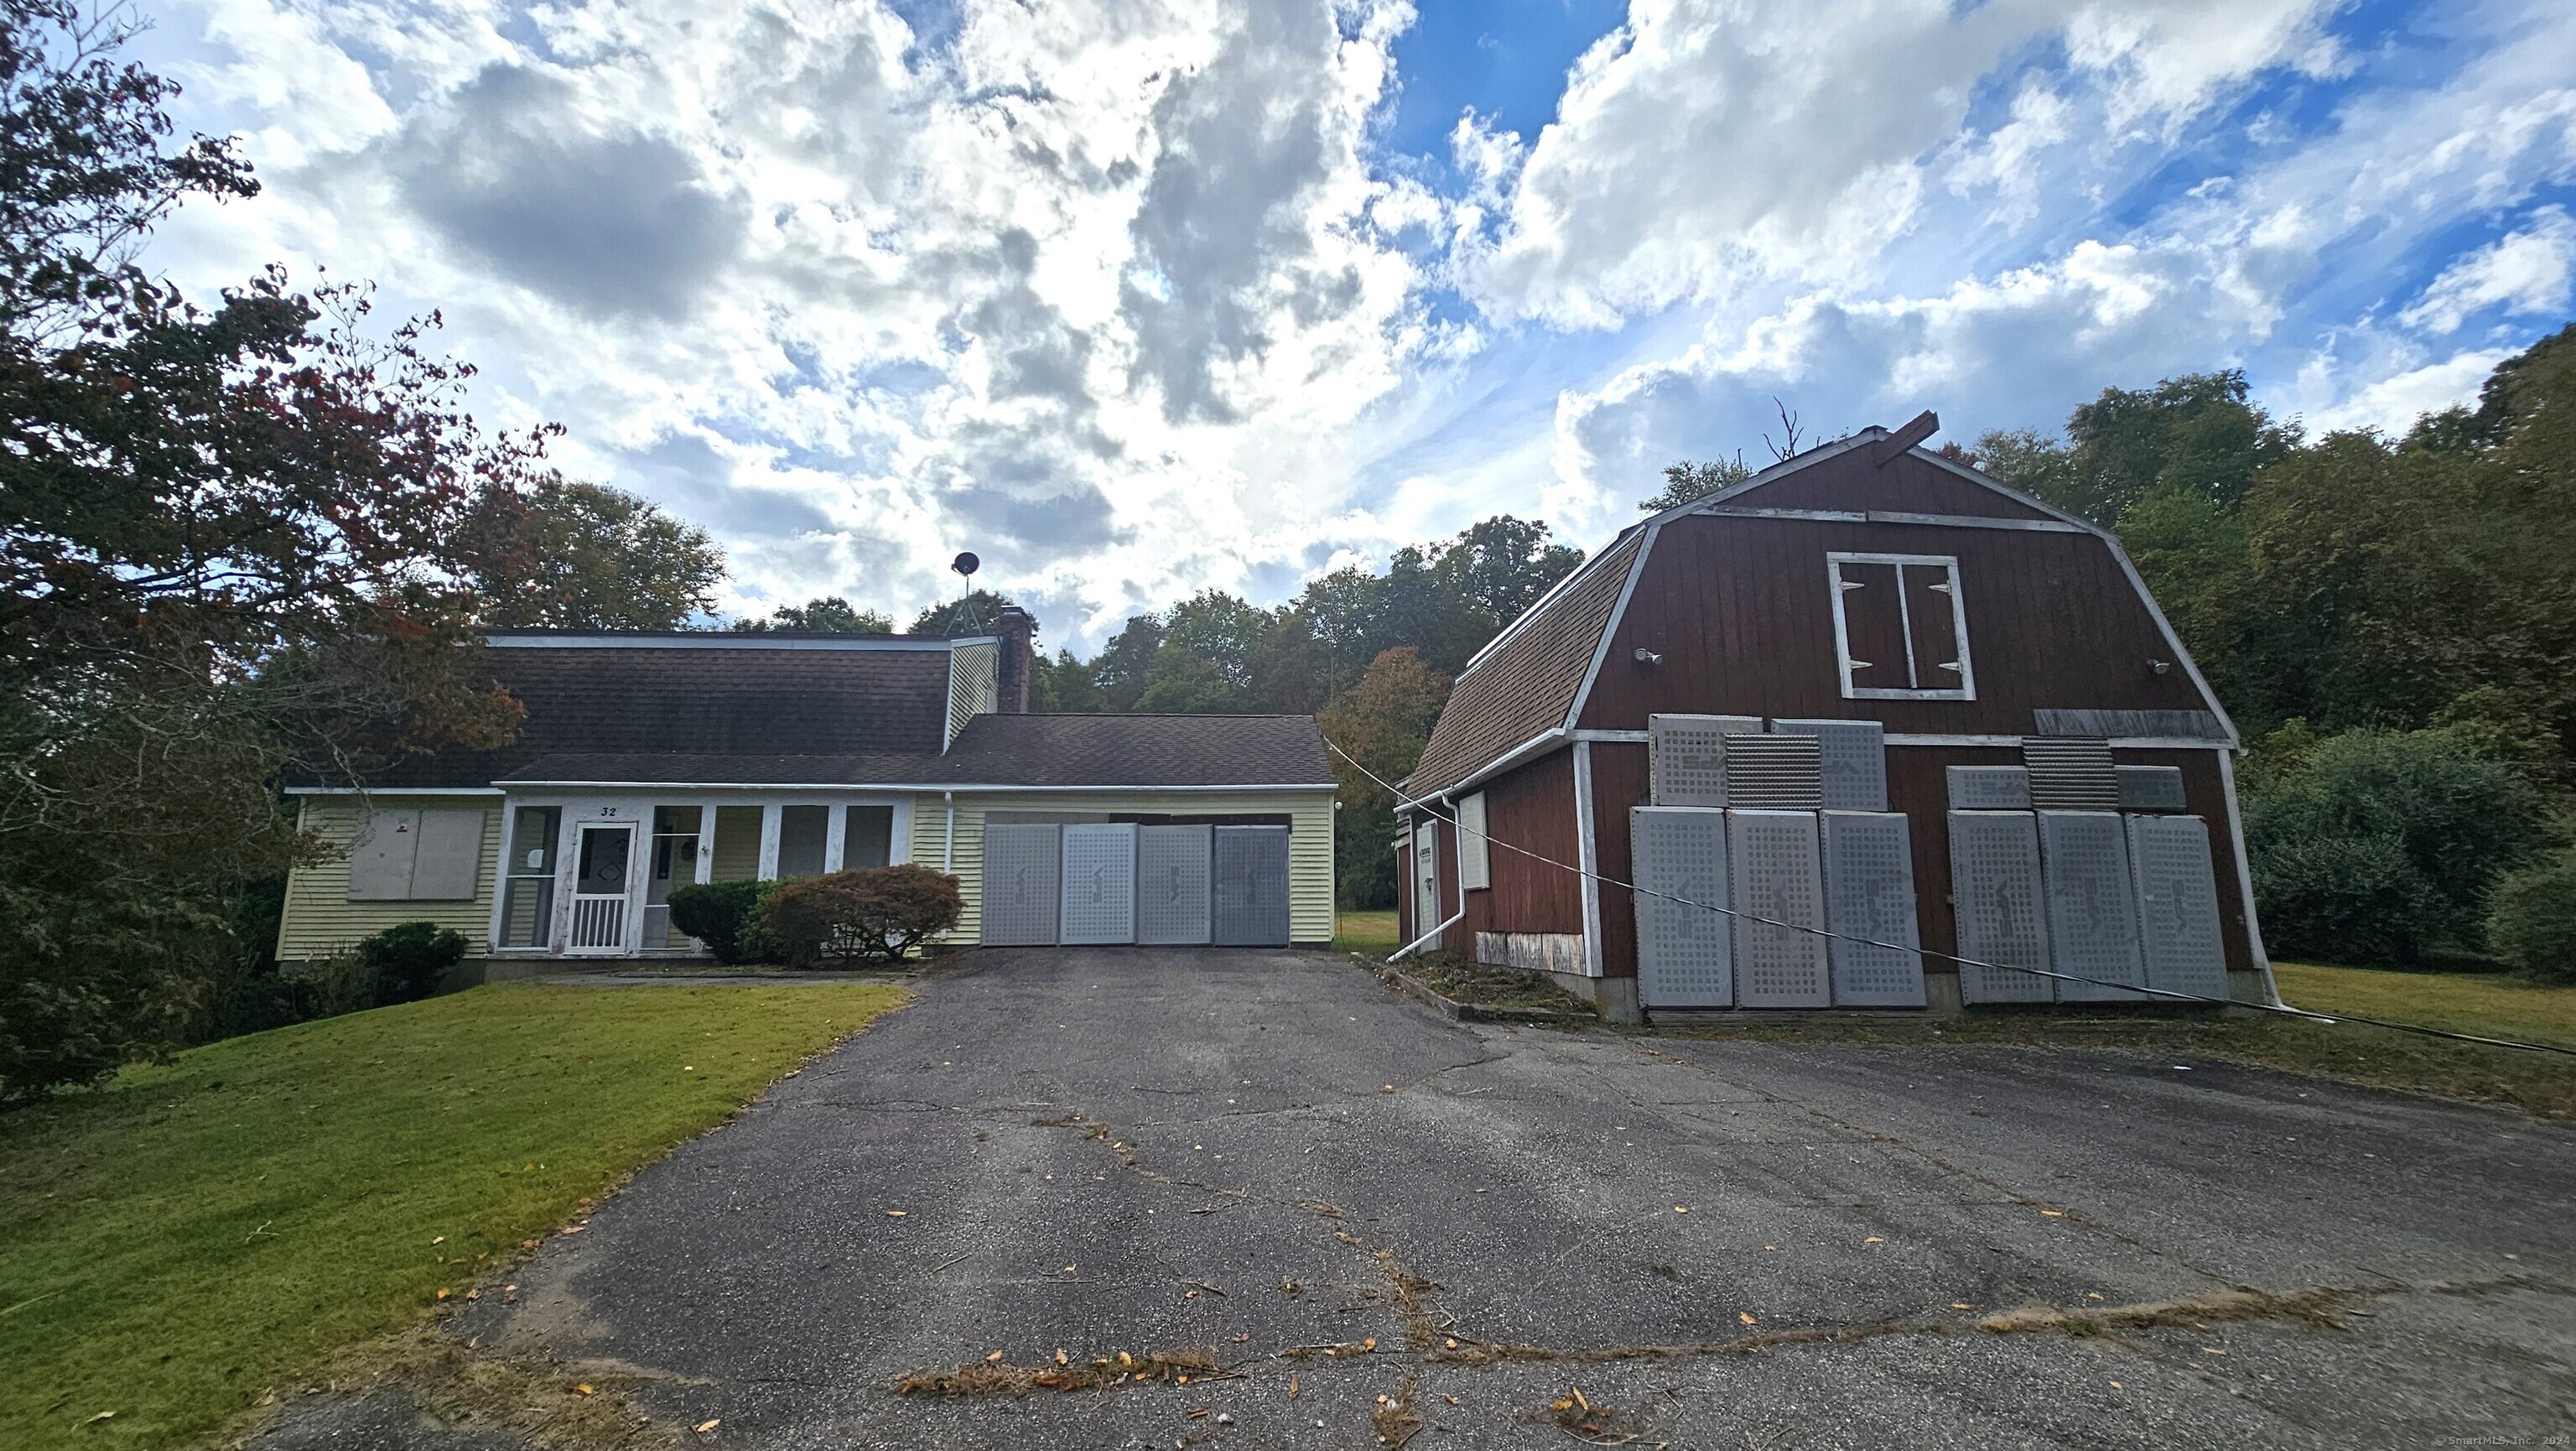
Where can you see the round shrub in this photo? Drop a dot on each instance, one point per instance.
(408, 960)
(724, 916)
(2532, 923)
(880, 912)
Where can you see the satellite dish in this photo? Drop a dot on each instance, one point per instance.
(966, 564)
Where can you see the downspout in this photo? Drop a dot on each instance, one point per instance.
(948, 848)
(1455, 918)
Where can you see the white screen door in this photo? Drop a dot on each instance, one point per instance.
(599, 889)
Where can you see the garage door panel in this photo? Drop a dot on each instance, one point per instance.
(1099, 884)
(1250, 888)
(1021, 881)
(2178, 905)
(2002, 912)
(1869, 893)
(2092, 905)
(1685, 951)
(1778, 877)
(1172, 867)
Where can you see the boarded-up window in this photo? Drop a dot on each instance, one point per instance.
(1475, 861)
(417, 856)
(1899, 627)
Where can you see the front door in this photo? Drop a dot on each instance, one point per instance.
(599, 889)
(1426, 879)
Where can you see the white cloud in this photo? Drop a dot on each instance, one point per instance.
(2354, 399)
(2525, 271)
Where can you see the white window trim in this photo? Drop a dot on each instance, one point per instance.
(1949, 563)
(1475, 857)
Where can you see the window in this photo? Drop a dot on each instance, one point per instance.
(1900, 627)
(1475, 862)
(528, 891)
(871, 839)
(417, 856)
(802, 833)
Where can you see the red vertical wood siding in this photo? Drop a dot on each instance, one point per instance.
(1908, 485)
(1531, 807)
(1618, 783)
(1741, 610)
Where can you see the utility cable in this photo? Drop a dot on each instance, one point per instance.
(2282, 1009)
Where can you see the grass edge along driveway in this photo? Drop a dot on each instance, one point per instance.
(192, 1235)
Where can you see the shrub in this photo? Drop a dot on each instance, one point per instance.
(2532, 922)
(2382, 845)
(409, 959)
(326, 987)
(870, 912)
(725, 916)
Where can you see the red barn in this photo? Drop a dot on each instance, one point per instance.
(1870, 690)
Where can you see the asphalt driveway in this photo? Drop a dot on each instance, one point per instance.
(1376, 1223)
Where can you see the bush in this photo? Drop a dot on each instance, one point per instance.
(408, 960)
(2532, 923)
(726, 916)
(870, 912)
(2383, 845)
(326, 987)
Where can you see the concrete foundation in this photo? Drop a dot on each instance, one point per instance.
(1614, 998)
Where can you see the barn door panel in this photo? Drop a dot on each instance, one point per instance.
(1869, 893)
(1021, 881)
(1773, 863)
(1686, 757)
(1250, 886)
(1854, 760)
(2177, 905)
(2092, 905)
(1172, 865)
(2002, 911)
(1932, 622)
(1685, 952)
(1099, 884)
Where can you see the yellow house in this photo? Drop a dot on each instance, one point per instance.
(648, 761)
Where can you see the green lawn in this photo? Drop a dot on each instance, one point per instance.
(2490, 1005)
(1369, 932)
(187, 1237)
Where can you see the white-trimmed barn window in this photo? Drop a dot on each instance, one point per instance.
(1900, 627)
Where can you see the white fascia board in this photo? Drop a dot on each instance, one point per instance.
(1610, 627)
(1892, 516)
(2117, 743)
(724, 640)
(1517, 755)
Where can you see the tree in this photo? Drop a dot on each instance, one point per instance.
(1383, 721)
(574, 556)
(2196, 434)
(1685, 481)
(1121, 668)
(830, 613)
(1064, 686)
(234, 540)
(1203, 665)
(1502, 565)
(975, 614)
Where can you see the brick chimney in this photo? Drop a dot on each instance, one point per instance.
(1017, 629)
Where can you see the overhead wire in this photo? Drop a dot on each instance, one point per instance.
(2281, 1009)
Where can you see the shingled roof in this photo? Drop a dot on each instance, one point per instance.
(1526, 681)
(1037, 751)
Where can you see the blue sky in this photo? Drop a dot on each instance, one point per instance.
(1137, 300)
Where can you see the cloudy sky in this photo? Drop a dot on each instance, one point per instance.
(1135, 298)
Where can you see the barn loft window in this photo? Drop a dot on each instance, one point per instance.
(1900, 627)
(1475, 859)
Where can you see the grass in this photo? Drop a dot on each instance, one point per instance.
(1371, 932)
(190, 1236)
(2539, 1083)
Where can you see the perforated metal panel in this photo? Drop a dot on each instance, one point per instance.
(1989, 788)
(2071, 773)
(1099, 884)
(2151, 788)
(1854, 759)
(1775, 773)
(2092, 905)
(1685, 955)
(1869, 892)
(1773, 863)
(2177, 905)
(1021, 880)
(2002, 912)
(1251, 887)
(1172, 864)
(1686, 756)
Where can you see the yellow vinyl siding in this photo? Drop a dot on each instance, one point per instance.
(1310, 839)
(737, 846)
(320, 919)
